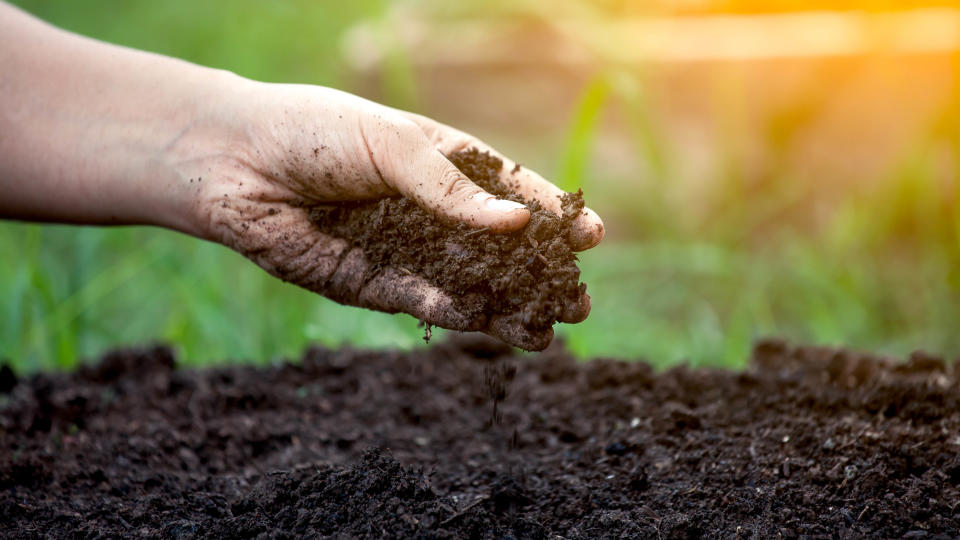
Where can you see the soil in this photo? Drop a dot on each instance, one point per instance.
(532, 272)
(808, 442)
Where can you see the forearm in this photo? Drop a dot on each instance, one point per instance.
(87, 129)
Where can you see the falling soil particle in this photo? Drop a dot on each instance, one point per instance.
(808, 443)
(532, 272)
(497, 379)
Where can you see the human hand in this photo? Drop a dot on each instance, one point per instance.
(298, 146)
(96, 134)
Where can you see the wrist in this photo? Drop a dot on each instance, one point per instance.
(205, 144)
(97, 134)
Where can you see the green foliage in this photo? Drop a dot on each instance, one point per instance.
(74, 292)
(706, 303)
(285, 41)
(881, 274)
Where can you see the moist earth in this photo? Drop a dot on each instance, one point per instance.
(807, 442)
(531, 272)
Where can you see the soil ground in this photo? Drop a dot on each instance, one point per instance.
(807, 443)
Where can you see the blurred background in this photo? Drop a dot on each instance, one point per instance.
(781, 168)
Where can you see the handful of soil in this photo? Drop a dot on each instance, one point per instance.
(531, 272)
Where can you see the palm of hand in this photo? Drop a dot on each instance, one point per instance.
(323, 145)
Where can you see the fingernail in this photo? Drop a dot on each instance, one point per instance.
(503, 205)
(588, 232)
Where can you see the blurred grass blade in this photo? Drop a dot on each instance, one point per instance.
(582, 133)
(630, 92)
(59, 319)
(398, 74)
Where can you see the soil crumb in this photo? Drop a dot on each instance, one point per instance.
(807, 443)
(532, 272)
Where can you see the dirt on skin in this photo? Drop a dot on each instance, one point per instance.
(532, 272)
(808, 443)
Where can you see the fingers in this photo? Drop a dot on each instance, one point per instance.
(330, 267)
(510, 329)
(392, 291)
(283, 242)
(588, 228)
(577, 311)
(408, 161)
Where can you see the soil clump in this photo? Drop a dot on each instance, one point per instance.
(531, 272)
(808, 442)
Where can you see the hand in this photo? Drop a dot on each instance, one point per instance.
(297, 146)
(96, 134)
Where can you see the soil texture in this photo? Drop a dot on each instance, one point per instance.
(807, 443)
(531, 272)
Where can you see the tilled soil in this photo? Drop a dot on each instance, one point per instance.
(808, 442)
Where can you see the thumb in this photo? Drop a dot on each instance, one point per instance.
(423, 174)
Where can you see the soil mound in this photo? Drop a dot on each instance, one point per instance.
(809, 442)
(532, 272)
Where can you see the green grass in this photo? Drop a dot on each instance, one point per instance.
(284, 41)
(881, 274)
(75, 292)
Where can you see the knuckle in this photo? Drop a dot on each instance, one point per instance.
(455, 186)
(402, 129)
(455, 142)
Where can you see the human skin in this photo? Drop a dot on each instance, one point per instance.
(92, 133)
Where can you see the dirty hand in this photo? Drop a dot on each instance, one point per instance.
(93, 133)
(303, 145)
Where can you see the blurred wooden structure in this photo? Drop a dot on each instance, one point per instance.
(578, 43)
(836, 98)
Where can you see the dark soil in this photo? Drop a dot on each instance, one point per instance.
(809, 442)
(532, 272)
